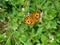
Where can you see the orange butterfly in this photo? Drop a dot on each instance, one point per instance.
(32, 18)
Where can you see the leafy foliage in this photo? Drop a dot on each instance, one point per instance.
(13, 30)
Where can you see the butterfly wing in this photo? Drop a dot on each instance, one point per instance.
(32, 18)
(28, 20)
(36, 15)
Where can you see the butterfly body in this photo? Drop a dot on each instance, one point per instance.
(32, 18)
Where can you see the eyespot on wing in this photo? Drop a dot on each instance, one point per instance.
(28, 20)
(36, 15)
(32, 18)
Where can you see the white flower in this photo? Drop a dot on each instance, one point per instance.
(23, 9)
(41, 15)
(51, 38)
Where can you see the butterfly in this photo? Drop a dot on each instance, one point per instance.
(32, 18)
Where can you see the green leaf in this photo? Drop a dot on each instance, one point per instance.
(44, 39)
(8, 42)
